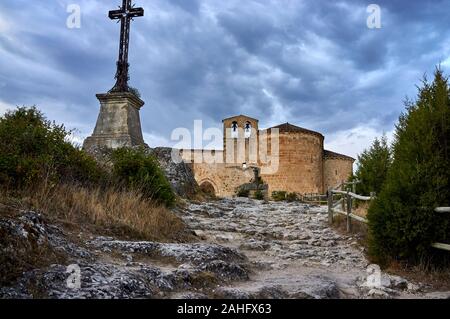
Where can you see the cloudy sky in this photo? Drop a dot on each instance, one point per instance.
(313, 63)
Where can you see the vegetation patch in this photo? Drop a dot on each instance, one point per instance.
(278, 196)
(292, 197)
(35, 150)
(259, 195)
(242, 192)
(402, 220)
(136, 170)
(40, 169)
(117, 212)
(373, 167)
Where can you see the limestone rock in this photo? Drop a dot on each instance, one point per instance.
(378, 294)
(180, 175)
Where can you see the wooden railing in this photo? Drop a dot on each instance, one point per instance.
(345, 202)
(441, 245)
(313, 198)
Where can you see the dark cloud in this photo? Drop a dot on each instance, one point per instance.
(191, 6)
(314, 63)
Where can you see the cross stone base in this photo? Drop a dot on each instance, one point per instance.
(118, 124)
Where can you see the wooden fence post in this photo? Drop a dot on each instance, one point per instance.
(330, 206)
(349, 211)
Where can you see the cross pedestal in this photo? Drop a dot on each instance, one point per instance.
(118, 123)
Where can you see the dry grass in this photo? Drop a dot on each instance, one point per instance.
(358, 228)
(107, 211)
(361, 209)
(434, 278)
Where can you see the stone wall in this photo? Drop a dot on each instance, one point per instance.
(224, 178)
(179, 174)
(336, 170)
(300, 164)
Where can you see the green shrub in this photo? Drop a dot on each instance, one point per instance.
(373, 166)
(259, 181)
(34, 150)
(259, 195)
(242, 192)
(291, 197)
(138, 170)
(278, 196)
(402, 221)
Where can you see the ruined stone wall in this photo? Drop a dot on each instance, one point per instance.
(336, 170)
(300, 164)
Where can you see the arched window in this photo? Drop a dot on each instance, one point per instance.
(248, 129)
(234, 130)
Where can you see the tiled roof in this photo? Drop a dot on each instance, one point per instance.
(330, 154)
(287, 127)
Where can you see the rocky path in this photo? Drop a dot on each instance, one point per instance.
(245, 249)
(292, 252)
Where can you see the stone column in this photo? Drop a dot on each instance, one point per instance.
(118, 123)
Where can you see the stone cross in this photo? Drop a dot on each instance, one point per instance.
(125, 14)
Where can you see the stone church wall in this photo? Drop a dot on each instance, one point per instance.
(224, 178)
(300, 164)
(336, 170)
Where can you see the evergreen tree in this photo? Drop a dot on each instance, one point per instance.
(373, 166)
(402, 220)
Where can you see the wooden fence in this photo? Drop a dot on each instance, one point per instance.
(442, 210)
(313, 198)
(343, 206)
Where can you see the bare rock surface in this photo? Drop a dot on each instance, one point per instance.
(293, 252)
(179, 175)
(246, 249)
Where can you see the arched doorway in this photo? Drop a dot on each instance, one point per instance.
(208, 188)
